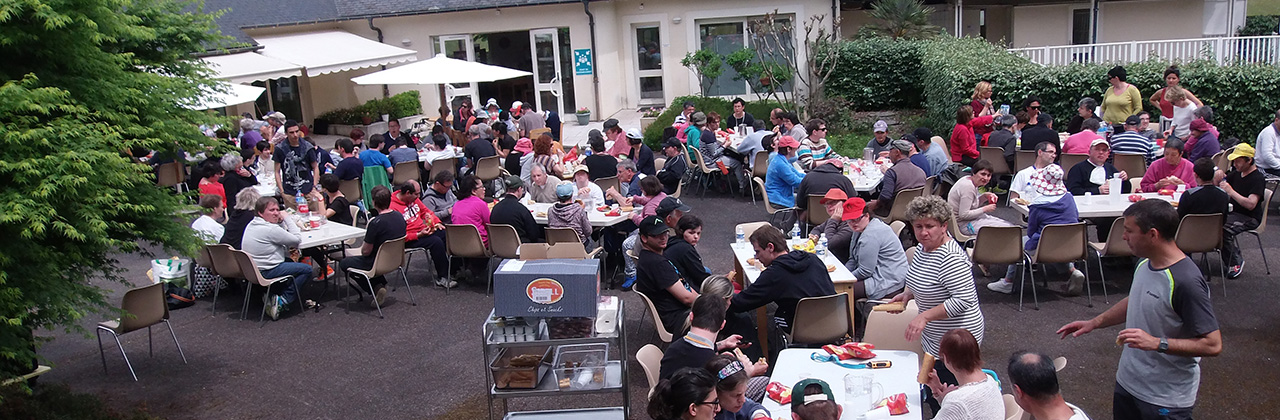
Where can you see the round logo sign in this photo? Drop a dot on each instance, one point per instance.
(544, 291)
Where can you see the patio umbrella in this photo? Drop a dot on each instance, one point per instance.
(236, 94)
(440, 70)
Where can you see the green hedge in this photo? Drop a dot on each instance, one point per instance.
(653, 135)
(398, 106)
(878, 74)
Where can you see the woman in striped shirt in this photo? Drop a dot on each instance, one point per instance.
(940, 279)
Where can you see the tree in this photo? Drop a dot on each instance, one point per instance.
(84, 81)
(903, 19)
(774, 36)
(706, 65)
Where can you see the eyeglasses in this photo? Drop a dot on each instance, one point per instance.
(715, 403)
(821, 129)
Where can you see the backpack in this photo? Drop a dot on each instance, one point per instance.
(948, 177)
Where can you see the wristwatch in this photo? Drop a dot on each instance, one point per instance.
(1164, 345)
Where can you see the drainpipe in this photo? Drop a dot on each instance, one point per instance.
(386, 92)
(835, 18)
(595, 72)
(959, 18)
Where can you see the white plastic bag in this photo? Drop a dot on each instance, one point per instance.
(174, 271)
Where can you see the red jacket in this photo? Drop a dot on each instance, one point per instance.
(416, 216)
(963, 141)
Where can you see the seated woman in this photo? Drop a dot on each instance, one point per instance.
(973, 210)
(1169, 171)
(471, 208)
(974, 394)
(737, 391)
(239, 217)
(782, 178)
(688, 394)
(207, 226)
(683, 253)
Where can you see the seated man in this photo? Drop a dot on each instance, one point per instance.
(876, 257)
(440, 198)
(1021, 187)
(350, 167)
(402, 152)
(838, 232)
(628, 180)
(814, 150)
(373, 157)
(1205, 197)
(658, 279)
(568, 214)
(675, 167)
(585, 190)
(1133, 142)
(422, 229)
(787, 278)
(541, 187)
(268, 240)
(509, 211)
(1035, 388)
(902, 175)
(698, 346)
(1245, 184)
(1091, 177)
(387, 225)
(1169, 171)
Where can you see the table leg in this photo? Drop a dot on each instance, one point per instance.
(762, 329)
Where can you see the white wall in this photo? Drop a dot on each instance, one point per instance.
(1139, 20)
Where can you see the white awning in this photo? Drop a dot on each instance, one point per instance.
(235, 95)
(251, 67)
(331, 51)
(440, 70)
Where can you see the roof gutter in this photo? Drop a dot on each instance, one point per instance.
(595, 72)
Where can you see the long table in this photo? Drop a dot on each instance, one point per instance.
(597, 218)
(1100, 205)
(795, 365)
(329, 233)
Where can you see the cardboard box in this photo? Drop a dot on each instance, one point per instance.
(547, 288)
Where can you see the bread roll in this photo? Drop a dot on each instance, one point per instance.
(926, 366)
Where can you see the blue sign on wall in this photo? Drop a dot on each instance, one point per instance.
(582, 62)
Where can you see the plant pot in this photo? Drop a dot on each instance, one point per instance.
(366, 120)
(645, 121)
(584, 118)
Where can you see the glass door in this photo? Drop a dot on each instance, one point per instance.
(458, 47)
(546, 69)
(649, 65)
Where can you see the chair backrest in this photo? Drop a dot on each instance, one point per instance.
(1266, 209)
(749, 228)
(170, 174)
(887, 330)
(897, 226)
(390, 257)
(144, 307)
(488, 168)
(351, 189)
(817, 212)
(567, 250)
(1133, 164)
(223, 260)
(504, 241)
(1012, 411)
(657, 321)
(1116, 246)
(441, 165)
(203, 259)
(767, 205)
(659, 162)
(760, 166)
(955, 231)
(650, 358)
(995, 156)
(1062, 243)
(938, 141)
(538, 132)
(822, 320)
(1220, 160)
(464, 241)
(533, 252)
(702, 163)
(609, 182)
(998, 245)
(931, 185)
(679, 189)
(1023, 159)
(248, 269)
(562, 235)
(1199, 233)
(1069, 160)
(900, 202)
(405, 171)
(911, 254)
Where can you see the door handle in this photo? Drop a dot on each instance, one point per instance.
(555, 85)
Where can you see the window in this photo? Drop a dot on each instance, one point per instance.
(1080, 26)
(726, 37)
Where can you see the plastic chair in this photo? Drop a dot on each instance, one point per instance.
(817, 213)
(1202, 233)
(659, 162)
(351, 189)
(224, 265)
(390, 258)
(538, 132)
(572, 251)
(1070, 160)
(995, 156)
(887, 330)
(998, 245)
(650, 358)
(533, 252)
(749, 228)
(441, 165)
(1023, 159)
(1131, 163)
(1115, 246)
(609, 182)
(1062, 243)
(1220, 160)
(822, 320)
(144, 307)
(773, 212)
(463, 241)
(251, 274)
(562, 235)
(1012, 411)
(704, 173)
(504, 241)
(1262, 227)
(897, 226)
(900, 202)
(661, 330)
(938, 141)
(172, 174)
(489, 168)
(405, 171)
(931, 185)
(679, 189)
(965, 240)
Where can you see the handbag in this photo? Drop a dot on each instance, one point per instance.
(178, 297)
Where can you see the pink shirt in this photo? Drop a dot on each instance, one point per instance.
(1078, 143)
(621, 146)
(1161, 169)
(650, 206)
(473, 211)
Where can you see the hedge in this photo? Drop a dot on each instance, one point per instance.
(945, 70)
(653, 135)
(398, 106)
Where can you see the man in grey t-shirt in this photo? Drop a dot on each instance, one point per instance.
(1169, 319)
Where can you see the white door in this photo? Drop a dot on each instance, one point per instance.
(649, 65)
(546, 69)
(459, 47)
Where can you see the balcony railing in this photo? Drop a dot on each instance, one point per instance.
(1223, 50)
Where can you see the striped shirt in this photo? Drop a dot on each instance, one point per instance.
(944, 277)
(1134, 143)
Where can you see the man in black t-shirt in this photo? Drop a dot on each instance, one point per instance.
(387, 225)
(1205, 198)
(1245, 186)
(509, 211)
(479, 146)
(658, 279)
(503, 141)
(297, 171)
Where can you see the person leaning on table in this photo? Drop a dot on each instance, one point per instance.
(787, 278)
(838, 232)
(940, 279)
(1169, 320)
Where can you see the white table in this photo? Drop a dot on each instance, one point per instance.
(265, 190)
(794, 365)
(1100, 205)
(597, 218)
(866, 183)
(449, 151)
(329, 233)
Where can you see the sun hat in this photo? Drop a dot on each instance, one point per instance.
(491, 102)
(881, 126)
(853, 208)
(564, 191)
(524, 145)
(1241, 150)
(834, 194)
(276, 116)
(1048, 181)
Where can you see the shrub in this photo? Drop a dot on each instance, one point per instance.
(878, 74)
(724, 107)
(398, 106)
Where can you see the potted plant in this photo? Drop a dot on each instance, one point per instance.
(648, 116)
(584, 115)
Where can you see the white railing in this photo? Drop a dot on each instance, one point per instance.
(1223, 50)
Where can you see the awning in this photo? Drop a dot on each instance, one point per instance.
(439, 70)
(235, 95)
(251, 67)
(331, 51)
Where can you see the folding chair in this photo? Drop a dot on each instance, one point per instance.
(900, 202)
(1131, 163)
(390, 258)
(143, 307)
(463, 241)
(1024, 159)
(1069, 160)
(251, 273)
(768, 206)
(1115, 246)
(1202, 233)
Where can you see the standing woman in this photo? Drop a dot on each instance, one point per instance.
(1120, 100)
(982, 106)
(1172, 78)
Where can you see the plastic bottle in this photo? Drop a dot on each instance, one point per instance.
(821, 250)
(302, 205)
(795, 231)
(740, 235)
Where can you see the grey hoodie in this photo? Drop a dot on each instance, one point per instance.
(268, 243)
(570, 215)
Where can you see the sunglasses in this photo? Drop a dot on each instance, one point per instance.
(821, 129)
(1034, 107)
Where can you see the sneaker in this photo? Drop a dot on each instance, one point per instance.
(1001, 286)
(272, 303)
(379, 297)
(445, 283)
(1076, 283)
(627, 282)
(1235, 270)
(328, 272)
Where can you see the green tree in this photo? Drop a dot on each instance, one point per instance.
(81, 83)
(707, 66)
(903, 19)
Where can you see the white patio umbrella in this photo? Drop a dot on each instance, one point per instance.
(440, 70)
(236, 94)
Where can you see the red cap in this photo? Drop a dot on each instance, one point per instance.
(1199, 125)
(787, 141)
(853, 208)
(834, 194)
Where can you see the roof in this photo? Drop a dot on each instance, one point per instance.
(362, 8)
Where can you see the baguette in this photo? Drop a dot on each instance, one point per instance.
(890, 307)
(925, 367)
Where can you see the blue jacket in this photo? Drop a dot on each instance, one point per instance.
(781, 181)
(1058, 212)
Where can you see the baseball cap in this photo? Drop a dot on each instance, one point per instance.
(672, 142)
(902, 146)
(881, 126)
(482, 114)
(853, 208)
(1133, 120)
(798, 398)
(513, 182)
(516, 106)
(671, 204)
(1098, 141)
(1199, 125)
(1241, 150)
(564, 190)
(834, 194)
(786, 141)
(610, 123)
(652, 226)
(581, 168)
(910, 137)
(634, 133)
(698, 118)
(594, 134)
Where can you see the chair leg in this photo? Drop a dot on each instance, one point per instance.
(1087, 287)
(214, 305)
(1103, 274)
(151, 347)
(103, 353)
(1222, 270)
(175, 340)
(412, 300)
(1264, 253)
(376, 305)
(126, 356)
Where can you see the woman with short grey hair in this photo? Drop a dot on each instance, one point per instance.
(238, 217)
(1084, 111)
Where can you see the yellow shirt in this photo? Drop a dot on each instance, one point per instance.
(1116, 108)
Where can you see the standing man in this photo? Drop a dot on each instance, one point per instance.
(509, 211)
(740, 116)
(297, 171)
(1035, 388)
(393, 136)
(902, 175)
(880, 143)
(1168, 317)
(387, 225)
(614, 133)
(1268, 158)
(529, 120)
(1245, 186)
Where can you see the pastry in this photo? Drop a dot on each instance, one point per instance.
(890, 307)
(831, 268)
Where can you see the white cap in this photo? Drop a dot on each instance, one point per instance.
(634, 133)
(881, 126)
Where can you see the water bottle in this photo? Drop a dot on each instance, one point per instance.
(821, 249)
(1114, 194)
(302, 205)
(740, 235)
(795, 231)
